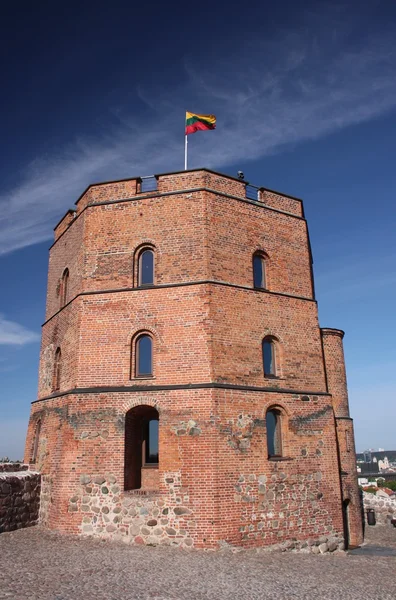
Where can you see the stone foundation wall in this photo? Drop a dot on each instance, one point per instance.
(285, 509)
(154, 518)
(45, 500)
(9, 467)
(323, 545)
(385, 508)
(138, 518)
(19, 497)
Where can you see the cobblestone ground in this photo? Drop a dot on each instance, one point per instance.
(40, 565)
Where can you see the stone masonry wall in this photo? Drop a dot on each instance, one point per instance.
(385, 508)
(19, 497)
(141, 518)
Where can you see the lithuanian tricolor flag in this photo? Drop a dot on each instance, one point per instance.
(199, 122)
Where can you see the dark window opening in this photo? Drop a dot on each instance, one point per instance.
(64, 287)
(149, 184)
(141, 444)
(146, 268)
(252, 192)
(269, 358)
(259, 271)
(144, 356)
(345, 514)
(150, 441)
(274, 436)
(57, 370)
(36, 441)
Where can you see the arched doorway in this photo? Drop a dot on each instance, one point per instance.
(141, 446)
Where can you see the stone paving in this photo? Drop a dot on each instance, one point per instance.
(42, 565)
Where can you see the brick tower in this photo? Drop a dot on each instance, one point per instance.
(187, 394)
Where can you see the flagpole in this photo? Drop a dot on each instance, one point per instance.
(185, 152)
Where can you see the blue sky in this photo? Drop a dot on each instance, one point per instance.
(305, 99)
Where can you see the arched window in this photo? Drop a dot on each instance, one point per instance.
(36, 440)
(269, 357)
(141, 448)
(274, 432)
(57, 370)
(146, 267)
(64, 286)
(144, 356)
(259, 280)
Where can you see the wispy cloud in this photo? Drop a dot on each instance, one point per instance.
(355, 276)
(13, 334)
(267, 95)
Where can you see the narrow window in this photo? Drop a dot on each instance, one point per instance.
(57, 370)
(64, 287)
(36, 440)
(274, 434)
(149, 184)
(347, 441)
(144, 356)
(259, 271)
(150, 442)
(146, 268)
(141, 448)
(269, 357)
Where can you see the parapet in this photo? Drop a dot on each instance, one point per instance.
(178, 182)
(330, 331)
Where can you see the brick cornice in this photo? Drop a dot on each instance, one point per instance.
(179, 284)
(190, 386)
(198, 169)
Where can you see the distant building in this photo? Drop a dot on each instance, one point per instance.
(383, 465)
(369, 468)
(379, 455)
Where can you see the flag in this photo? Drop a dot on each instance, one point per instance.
(199, 122)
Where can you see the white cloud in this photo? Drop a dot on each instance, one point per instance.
(13, 334)
(267, 95)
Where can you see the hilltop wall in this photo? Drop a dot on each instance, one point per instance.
(385, 508)
(19, 496)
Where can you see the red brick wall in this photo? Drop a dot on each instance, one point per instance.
(174, 225)
(242, 318)
(337, 385)
(68, 252)
(216, 441)
(150, 478)
(107, 192)
(214, 480)
(280, 202)
(269, 501)
(64, 223)
(238, 229)
(335, 369)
